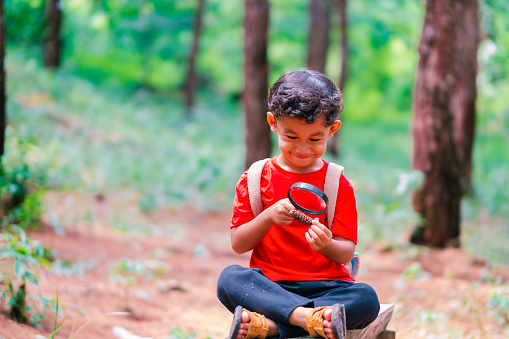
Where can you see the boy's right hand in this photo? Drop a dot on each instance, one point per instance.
(279, 213)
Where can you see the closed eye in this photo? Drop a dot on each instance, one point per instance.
(315, 140)
(290, 137)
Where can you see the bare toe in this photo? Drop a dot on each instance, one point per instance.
(327, 324)
(327, 314)
(244, 325)
(241, 334)
(245, 317)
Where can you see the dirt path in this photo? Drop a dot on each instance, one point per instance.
(164, 276)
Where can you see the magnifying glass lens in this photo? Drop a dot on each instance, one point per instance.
(308, 200)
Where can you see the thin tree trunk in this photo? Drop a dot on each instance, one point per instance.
(2, 84)
(145, 43)
(341, 6)
(444, 115)
(256, 25)
(334, 143)
(190, 86)
(52, 42)
(318, 38)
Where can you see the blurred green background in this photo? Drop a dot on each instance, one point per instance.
(111, 119)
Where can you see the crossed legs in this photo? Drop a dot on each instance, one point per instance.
(286, 305)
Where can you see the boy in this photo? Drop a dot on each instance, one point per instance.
(296, 283)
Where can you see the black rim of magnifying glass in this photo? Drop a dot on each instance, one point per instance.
(309, 188)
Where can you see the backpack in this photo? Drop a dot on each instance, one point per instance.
(331, 186)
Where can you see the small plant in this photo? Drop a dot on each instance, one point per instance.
(177, 333)
(19, 259)
(126, 270)
(123, 275)
(499, 306)
(415, 272)
(126, 283)
(20, 186)
(74, 333)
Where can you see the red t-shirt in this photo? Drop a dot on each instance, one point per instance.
(284, 253)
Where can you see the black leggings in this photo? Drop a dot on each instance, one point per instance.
(250, 288)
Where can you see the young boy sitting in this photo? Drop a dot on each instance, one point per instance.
(297, 283)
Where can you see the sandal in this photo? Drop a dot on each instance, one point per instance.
(258, 326)
(314, 321)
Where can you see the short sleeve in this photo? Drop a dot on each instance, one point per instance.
(242, 212)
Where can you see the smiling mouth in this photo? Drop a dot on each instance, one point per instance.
(302, 156)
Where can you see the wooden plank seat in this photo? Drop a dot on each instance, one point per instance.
(375, 330)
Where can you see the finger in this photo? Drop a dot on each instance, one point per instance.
(320, 225)
(311, 242)
(287, 204)
(321, 228)
(318, 231)
(312, 233)
(319, 237)
(316, 237)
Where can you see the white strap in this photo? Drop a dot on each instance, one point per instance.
(254, 175)
(331, 190)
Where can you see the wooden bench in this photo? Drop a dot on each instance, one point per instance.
(375, 330)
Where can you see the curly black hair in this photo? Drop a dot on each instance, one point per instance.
(305, 94)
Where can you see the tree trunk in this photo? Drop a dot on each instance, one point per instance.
(2, 84)
(318, 38)
(341, 8)
(190, 86)
(444, 117)
(256, 24)
(52, 42)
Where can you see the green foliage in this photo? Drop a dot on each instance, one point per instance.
(19, 260)
(21, 184)
(499, 305)
(126, 266)
(177, 333)
(25, 20)
(127, 271)
(414, 271)
(69, 268)
(57, 325)
(144, 143)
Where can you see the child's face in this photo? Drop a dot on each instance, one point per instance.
(301, 144)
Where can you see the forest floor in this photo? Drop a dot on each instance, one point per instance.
(161, 270)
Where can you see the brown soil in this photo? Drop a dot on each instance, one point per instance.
(438, 293)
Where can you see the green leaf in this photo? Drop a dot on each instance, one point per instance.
(20, 269)
(45, 262)
(39, 250)
(32, 278)
(21, 249)
(12, 300)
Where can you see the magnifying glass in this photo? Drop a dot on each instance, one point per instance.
(307, 198)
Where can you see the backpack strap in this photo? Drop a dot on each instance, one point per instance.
(331, 190)
(331, 186)
(254, 175)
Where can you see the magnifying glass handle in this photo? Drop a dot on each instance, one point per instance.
(299, 216)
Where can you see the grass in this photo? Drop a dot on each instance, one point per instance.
(105, 139)
(100, 138)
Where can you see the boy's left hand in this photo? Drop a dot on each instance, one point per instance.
(318, 236)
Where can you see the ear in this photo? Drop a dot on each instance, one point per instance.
(272, 121)
(334, 128)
